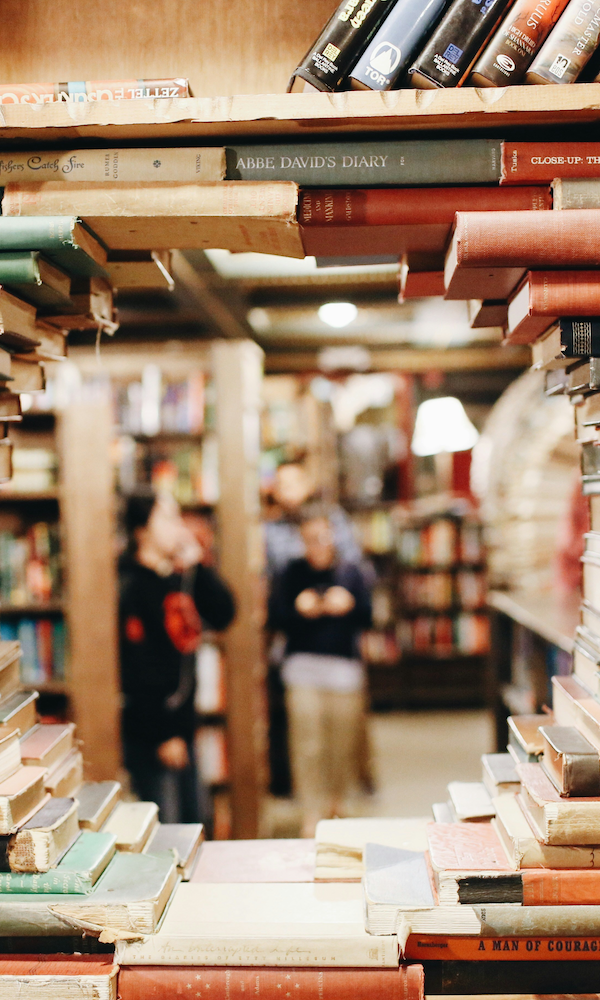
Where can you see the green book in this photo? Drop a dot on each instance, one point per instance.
(130, 896)
(369, 162)
(63, 240)
(77, 872)
(27, 274)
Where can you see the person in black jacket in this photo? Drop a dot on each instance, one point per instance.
(322, 605)
(165, 594)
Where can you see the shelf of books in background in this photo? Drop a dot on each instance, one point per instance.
(165, 437)
(31, 572)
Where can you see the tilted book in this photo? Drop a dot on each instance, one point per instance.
(61, 237)
(507, 243)
(258, 217)
(77, 872)
(544, 297)
(520, 36)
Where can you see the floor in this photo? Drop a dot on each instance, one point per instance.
(415, 755)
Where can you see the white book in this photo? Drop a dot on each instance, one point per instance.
(132, 823)
(525, 850)
(340, 843)
(297, 924)
(470, 800)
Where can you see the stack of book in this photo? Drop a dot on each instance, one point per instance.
(375, 45)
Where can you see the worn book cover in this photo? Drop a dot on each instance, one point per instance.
(255, 861)
(96, 800)
(63, 977)
(76, 872)
(179, 163)
(570, 761)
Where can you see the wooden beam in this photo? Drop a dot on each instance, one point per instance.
(413, 360)
(237, 373)
(227, 321)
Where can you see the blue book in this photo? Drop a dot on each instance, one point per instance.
(389, 54)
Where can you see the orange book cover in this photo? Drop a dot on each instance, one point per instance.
(545, 296)
(473, 948)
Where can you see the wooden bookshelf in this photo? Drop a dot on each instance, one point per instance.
(299, 115)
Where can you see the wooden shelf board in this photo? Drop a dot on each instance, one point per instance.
(48, 687)
(550, 615)
(300, 114)
(7, 495)
(49, 608)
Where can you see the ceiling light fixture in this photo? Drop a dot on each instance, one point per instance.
(338, 314)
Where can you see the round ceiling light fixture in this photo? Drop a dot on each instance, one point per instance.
(338, 314)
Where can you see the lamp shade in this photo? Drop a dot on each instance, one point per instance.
(442, 425)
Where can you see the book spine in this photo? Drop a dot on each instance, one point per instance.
(447, 58)
(388, 55)
(19, 268)
(369, 163)
(569, 45)
(546, 887)
(340, 44)
(379, 207)
(141, 982)
(543, 162)
(549, 947)
(135, 165)
(91, 90)
(580, 338)
(576, 192)
(54, 881)
(514, 46)
(317, 952)
(528, 239)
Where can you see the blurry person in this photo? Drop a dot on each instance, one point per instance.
(322, 605)
(165, 592)
(293, 488)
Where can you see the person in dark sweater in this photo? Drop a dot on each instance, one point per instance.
(165, 594)
(322, 605)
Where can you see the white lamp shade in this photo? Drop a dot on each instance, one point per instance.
(442, 425)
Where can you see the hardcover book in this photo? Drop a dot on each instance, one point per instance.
(20, 794)
(61, 238)
(504, 244)
(569, 46)
(96, 800)
(340, 843)
(92, 90)
(470, 800)
(132, 823)
(550, 162)
(180, 163)
(514, 45)
(277, 924)
(256, 861)
(65, 777)
(76, 872)
(394, 878)
(46, 744)
(10, 754)
(400, 37)
(367, 163)
(544, 297)
(526, 851)
(29, 276)
(577, 192)
(142, 982)
(62, 977)
(183, 840)
(455, 44)
(238, 217)
(18, 711)
(42, 841)
(342, 40)
(570, 761)
(568, 821)
(498, 773)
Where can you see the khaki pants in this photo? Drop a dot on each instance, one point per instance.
(324, 727)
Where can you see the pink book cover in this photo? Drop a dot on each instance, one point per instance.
(256, 861)
(465, 847)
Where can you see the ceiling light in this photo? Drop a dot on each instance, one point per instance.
(338, 314)
(442, 425)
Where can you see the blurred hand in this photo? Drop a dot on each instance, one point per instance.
(189, 551)
(173, 754)
(308, 604)
(337, 601)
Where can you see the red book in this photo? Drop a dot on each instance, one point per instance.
(398, 220)
(422, 285)
(64, 976)
(490, 251)
(472, 948)
(536, 162)
(145, 982)
(545, 296)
